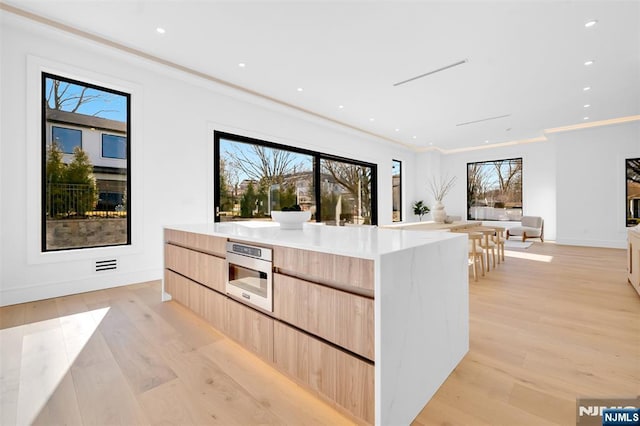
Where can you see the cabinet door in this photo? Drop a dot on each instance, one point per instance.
(200, 242)
(200, 267)
(342, 271)
(342, 318)
(250, 328)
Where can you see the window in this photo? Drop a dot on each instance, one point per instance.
(66, 139)
(494, 190)
(85, 202)
(114, 146)
(346, 191)
(633, 191)
(396, 185)
(254, 177)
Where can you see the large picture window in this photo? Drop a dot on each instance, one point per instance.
(254, 177)
(632, 206)
(494, 190)
(396, 188)
(86, 201)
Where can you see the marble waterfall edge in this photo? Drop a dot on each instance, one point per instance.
(422, 325)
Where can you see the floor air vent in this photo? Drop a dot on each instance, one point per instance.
(106, 265)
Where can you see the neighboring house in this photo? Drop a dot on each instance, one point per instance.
(104, 141)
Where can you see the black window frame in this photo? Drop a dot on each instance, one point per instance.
(43, 161)
(117, 136)
(399, 191)
(493, 161)
(627, 219)
(66, 128)
(317, 157)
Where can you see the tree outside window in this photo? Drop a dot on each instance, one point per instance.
(84, 193)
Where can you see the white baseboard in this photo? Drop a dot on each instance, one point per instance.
(29, 293)
(593, 243)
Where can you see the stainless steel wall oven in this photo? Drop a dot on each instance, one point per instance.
(250, 274)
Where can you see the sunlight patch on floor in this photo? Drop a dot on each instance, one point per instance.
(35, 357)
(528, 256)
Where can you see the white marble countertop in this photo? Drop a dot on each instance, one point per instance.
(363, 242)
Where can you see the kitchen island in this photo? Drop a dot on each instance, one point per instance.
(371, 320)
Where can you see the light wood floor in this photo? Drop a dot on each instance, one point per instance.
(542, 334)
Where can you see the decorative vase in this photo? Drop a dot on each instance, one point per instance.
(439, 215)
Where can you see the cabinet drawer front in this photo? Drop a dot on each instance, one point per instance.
(177, 286)
(200, 267)
(251, 329)
(338, 376)
(174, 285)
(342, 271)
(342, 318)
(291, 351)
(214, 305)
(355, 386)
(206, 243)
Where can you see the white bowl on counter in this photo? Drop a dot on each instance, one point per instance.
(290, 220)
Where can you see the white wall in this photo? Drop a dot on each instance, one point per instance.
(575, 181)
(173, 118)
(538, 175)
(591, 184)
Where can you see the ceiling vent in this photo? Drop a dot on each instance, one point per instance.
(483, 119)
(106, 265)
(446, 67)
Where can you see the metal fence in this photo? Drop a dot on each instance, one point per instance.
(64, 200)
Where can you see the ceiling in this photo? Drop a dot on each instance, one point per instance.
(525, 61)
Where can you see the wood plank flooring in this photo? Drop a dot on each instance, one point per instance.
(541, 335)
(548, 326)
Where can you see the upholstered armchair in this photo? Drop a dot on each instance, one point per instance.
(530, 227)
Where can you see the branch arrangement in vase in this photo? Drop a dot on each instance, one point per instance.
(440, 188)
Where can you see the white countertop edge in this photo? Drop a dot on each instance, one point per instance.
(365, 242)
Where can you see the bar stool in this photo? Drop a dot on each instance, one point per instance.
(476, 253)
(498, 239)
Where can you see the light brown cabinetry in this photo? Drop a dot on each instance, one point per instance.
(340, 271)
(633, 259)
(206, 303)
(322, 335)
(336, 375)
(200, 267)
(250, 328)
(340, 317)
(199, 242)
(177, 286)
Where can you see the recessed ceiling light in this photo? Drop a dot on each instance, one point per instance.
(430, 143)
(591, 23)
(586, 105)
(586, 118)
(486, 141)
(299, 89)
(341, 106)
(397, 130)
(242, 65)
(372, 119)
(586, 89)
(589, 62)
(161, 30)
(413, 137)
